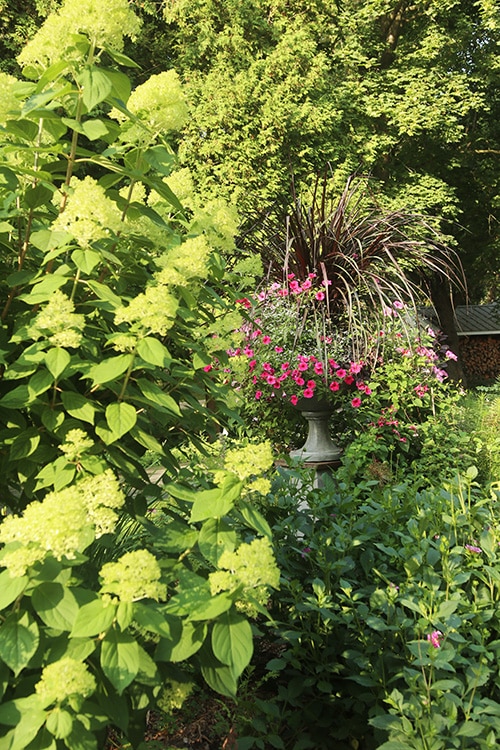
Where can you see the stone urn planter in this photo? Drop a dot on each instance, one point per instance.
(319, 446)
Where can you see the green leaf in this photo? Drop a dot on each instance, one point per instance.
(120, 659)
(121, 417)
(221, 679)
(47, 240)
(217, 502)
(153, 351)
(57, 360)
(85, 259)
(59, 723)
(120, 85)
(232, 642)
(10, 588)
(470, 729)
(43, 290)
(96, 86)
(216, 537)
(93, 618)
(94, 129)
(26, 716)
(121, 59)
(192, 603)
(155, 394)
(183, 644)
(105, 294)
(38, 196)
(18, 640)
(24, 444)
(255, 519)
(17, 398)
(40, 382)
(152, 619)
(110, 369)
(78, 406)
(56, 605)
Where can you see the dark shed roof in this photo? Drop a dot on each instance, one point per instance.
(478, 320)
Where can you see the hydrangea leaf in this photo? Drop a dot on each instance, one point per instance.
(120, 659)
(10, 588)
(19, 639)
(57, 359)
(216, 536)
(110, 369)
(56, 605)
(93, 618)
(121, 418)
(232, 641)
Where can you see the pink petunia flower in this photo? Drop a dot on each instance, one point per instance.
(266, 339)
(207, 368)
(435, 638)
(356, 402)
(320, 296)
(294, 399)
(341, 373)
(308, 393)
(258, 395)
(334, 386)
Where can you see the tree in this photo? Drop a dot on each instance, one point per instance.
(404, 91)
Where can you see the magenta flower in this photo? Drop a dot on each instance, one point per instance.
(472, 548)
(266, 339)
(355, 368)
(348, 380)
(435, 638)
(450, 355)
(308, 393)
(398, 305)
(320, 296)
(341, 373)
(294, 399)
(258, 395)
(356, 402)
(334, 386)
(207, 368)
(318, 368)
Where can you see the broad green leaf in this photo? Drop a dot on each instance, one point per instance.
(155, 394)
(18, 640)
(59, 723)
(470, 729)
(96, 86)
(186, 640)
(57, 359)
(121, 59)
(255, 519)
(94, 129)
(105, 294)
(26, 715)
(47, 240)
(124, 614)
(93, 618)
(52, 73)
(216, 537)
(110, 369)
(10, 588)
(78, 406)
(153, 351)
(192, 604)
(85, 259)
(120, 659)
(153, 620)
(120, 85)
(17, 398)
(217, 502)
(121, 417)
(221, 679)
(37, 196)
(56, 605)
(232, 641)
(43, 290)
(40, 382)
(24, 444)
(81, 738)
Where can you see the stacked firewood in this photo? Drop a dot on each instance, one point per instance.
(480, 357)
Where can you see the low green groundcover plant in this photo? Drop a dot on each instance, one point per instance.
(387, 618)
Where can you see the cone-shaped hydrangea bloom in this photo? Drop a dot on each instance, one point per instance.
(136, 575)
(66, 678)
(58, 322)
(89, 215)
(64, 523)
(105, 22)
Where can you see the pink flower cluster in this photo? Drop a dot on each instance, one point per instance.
(306, 378)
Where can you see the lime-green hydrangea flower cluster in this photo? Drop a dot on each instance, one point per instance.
(105, 22)
(155, 309)
(173, 695)
(76, 444)
(58, 322)
(64, 523)
(63, 679)
(9, 103)
(252, 566)
(247, 463)
(160, 104)
(136, 575)
(89, 215)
